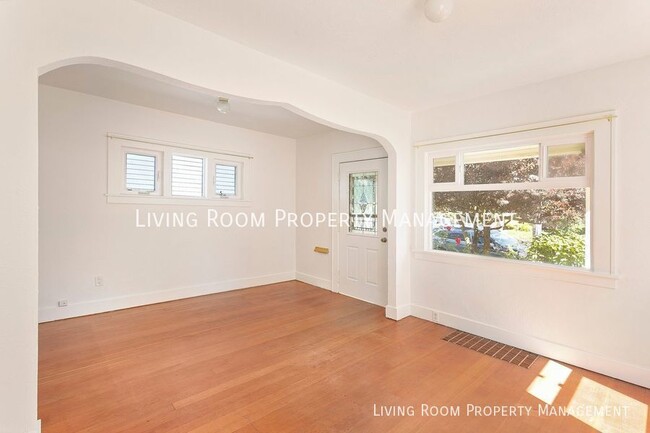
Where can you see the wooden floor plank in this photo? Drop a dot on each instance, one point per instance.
(283, 358)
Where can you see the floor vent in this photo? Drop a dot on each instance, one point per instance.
(492, 348)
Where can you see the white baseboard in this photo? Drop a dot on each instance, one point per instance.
(589, 361)
(48, 314)
(314, 281)
(398, 313)
(327, 285)
(422, 313)
(36, 428)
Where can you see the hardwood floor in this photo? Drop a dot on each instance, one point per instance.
(286, 358)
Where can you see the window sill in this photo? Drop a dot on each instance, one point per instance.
(158, 200)
(537, 270)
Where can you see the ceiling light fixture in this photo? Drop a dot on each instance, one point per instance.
(223, 105)
(438, 10)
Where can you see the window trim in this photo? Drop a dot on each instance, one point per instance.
(118, 144)
(600, 218)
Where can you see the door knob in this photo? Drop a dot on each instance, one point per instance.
(384, 240)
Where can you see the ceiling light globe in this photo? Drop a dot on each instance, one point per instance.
(438, 10)
(223, 105)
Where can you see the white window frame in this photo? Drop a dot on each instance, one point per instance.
(598, 130)
(158, 176)
(119, 145)
(190, 154)
(239, 178)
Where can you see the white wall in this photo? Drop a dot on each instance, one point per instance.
(314, 195)
(81, 236)
(602, 329)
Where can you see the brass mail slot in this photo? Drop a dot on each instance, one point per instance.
(322, 250)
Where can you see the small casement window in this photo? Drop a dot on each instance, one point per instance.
(157, 172)
(187, 176)
(225, 180)
(141, 172)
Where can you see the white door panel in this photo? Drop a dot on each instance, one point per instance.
(372, 267)
(353, 263)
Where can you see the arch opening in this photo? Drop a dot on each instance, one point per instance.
(186, 88)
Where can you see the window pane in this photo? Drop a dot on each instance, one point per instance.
(512, 165)
(444, 169)
(140, 172)
(566, 160)
(225, 179)
(545, 226)
(187, 176)
(363, 202)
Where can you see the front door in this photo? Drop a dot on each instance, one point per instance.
(363, 270)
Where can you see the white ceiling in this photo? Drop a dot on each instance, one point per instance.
(136, 89)
(387, 48)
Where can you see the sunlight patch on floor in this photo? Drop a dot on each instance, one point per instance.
(557, 373)
(544, 390)
(606, 410)
(548, 384)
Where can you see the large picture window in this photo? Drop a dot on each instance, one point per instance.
(537, 196)
(538, 225)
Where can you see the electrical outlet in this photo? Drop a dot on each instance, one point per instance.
(434, 316)
(63, 303)
(99, 281)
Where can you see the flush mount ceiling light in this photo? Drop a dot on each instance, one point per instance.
(223, 105)
(438, 10)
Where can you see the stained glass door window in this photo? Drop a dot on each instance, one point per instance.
(363, 202)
